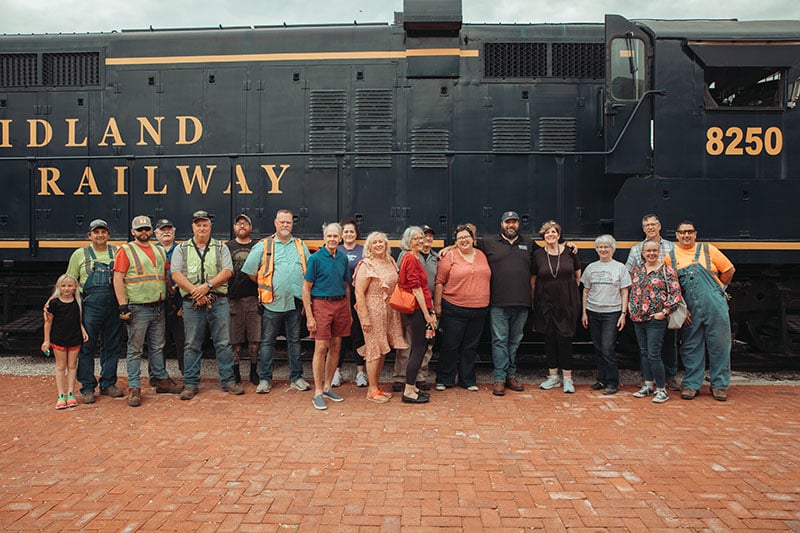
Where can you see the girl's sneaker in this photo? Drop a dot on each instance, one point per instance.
(62, 402)
(551, 382)
(569, 388)
(661, 396)
(71, 401)
(644, 392)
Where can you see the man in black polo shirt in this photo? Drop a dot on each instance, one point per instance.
(509, 257)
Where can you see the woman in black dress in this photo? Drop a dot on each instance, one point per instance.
(555, 275)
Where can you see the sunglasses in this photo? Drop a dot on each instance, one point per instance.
(143, 229)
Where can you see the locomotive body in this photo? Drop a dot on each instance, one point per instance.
(425, 120)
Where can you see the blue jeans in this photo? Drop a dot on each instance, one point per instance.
(195, 322)
(101, 320)
(146, 324)
(507, 325)
(461, 332)
(271, 323)
(603, 329)
(710, 330)
(650, 335)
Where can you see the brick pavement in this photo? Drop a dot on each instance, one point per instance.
(467, 461)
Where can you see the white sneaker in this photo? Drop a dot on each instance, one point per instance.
(551, 382)
(264, 387)
(337, 379)
(301, 384)
(569, 388)
(661, 396)
(361, 380)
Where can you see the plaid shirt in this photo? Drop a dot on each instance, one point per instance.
(635, 256)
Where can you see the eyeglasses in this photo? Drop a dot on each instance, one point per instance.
(418, 238)
(650, 225)
(143, 229)
(242, 223)
(686, 231)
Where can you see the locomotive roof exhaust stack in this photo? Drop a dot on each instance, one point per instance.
(432, 16)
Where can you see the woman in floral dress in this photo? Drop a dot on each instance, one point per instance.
(375, 278)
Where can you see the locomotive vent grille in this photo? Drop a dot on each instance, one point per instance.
(545, 60)
(429, 141)
(373, 127)
(511, 134)
(327, 111)
(579, 60)
(19, 70)
(557, 134)
(71, 69)
(515, 60)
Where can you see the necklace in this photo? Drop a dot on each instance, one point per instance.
(553, 272)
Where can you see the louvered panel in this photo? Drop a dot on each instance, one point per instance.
(72, 69)
(429, 141)
(327, 109)
(557, 134)
(373, 108)
(511, 134)
(515, 60)
(19, 70)
(373, 141)
(325, 141)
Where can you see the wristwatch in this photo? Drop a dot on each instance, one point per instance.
(210, 286)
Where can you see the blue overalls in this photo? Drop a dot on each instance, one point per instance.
(710, 330)
(101, 320)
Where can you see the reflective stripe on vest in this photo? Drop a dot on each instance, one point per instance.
(212, 264)
(145, 282)
(266, 293)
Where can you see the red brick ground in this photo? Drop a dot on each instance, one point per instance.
(471, 461)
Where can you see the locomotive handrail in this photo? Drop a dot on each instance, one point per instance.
(448, 153)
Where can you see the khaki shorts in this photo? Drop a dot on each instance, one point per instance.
(245, 320)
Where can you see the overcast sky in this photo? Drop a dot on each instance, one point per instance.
(68, 16)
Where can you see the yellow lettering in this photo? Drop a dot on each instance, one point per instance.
(33, 140)
(182, 129)
(71, 142)
(112, 130)
(151, 182)
(154, 132)
(87, 180)
(120, 180)
(49, 176)
(241, 180)
(273, 178)
(197, 176)
(5, 138)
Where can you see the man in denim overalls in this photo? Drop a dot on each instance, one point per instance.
(92, 267)
(703, 272)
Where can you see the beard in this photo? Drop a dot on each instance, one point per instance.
(509, 233)
(142, 237)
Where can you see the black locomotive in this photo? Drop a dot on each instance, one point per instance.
(425, 120)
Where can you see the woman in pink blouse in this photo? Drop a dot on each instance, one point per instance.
(461, 299)
(655, 292)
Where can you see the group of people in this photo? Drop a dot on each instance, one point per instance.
(247, 292)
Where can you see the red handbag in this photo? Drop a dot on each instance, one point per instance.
(402, 300)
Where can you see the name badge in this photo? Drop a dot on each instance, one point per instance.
(523, 246)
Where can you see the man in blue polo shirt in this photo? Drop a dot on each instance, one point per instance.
(326, 299)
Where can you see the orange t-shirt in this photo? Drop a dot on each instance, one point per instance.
(717, 260)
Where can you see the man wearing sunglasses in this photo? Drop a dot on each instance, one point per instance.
(140, 285)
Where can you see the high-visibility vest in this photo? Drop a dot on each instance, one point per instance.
(145, 282)
(200, 271)
(266, 292)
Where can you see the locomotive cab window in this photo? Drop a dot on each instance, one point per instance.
(743, 87)
(627, 68)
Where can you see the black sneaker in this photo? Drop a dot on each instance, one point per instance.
(597, 386)
(610, 389)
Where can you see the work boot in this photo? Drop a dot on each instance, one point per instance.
(135, 397)
(237, 374)
(254, 374)
(167, 386)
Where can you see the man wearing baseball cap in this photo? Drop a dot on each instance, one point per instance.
(201, 267)
(140, 284)
(243, 298)
(165, 235)
(93, 267)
